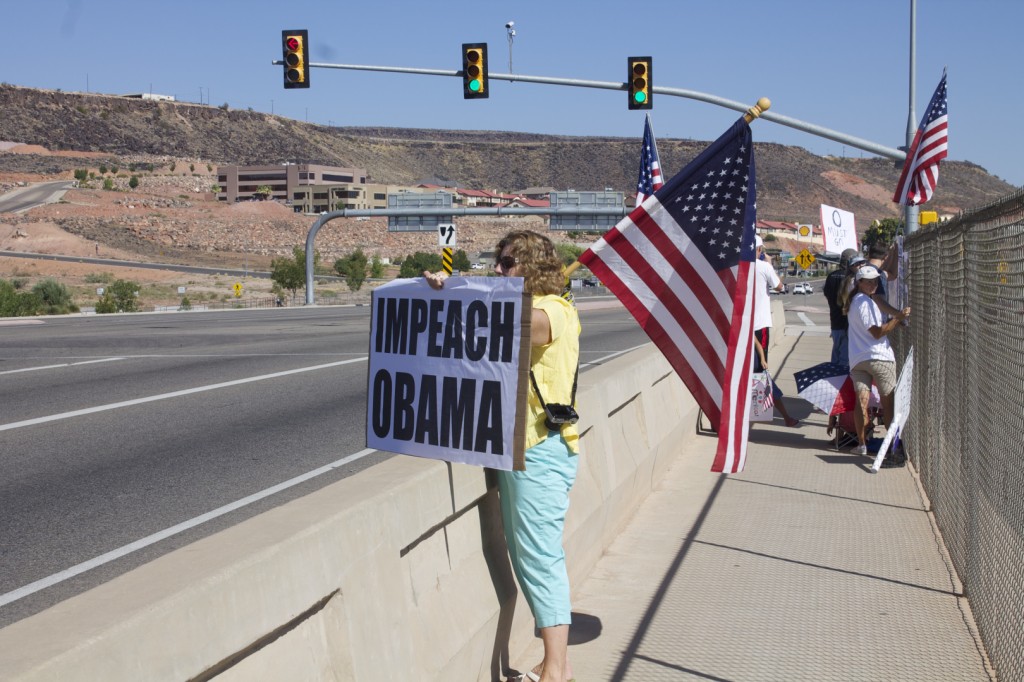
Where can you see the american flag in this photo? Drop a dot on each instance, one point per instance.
(650, 180)
(769, 393)
(921, 170)
(683, 265)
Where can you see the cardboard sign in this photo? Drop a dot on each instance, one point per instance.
(838, 229)
(901, 409)
(449, 370)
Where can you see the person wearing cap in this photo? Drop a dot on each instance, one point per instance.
(837, 318)
(871, 357)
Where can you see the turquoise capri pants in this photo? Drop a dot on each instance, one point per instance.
(533, 507)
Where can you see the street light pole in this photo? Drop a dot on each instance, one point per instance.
(911, 214)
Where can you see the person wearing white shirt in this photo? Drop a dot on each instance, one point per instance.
(764, 279)
(871, 356)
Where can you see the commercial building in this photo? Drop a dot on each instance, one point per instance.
(239, 183)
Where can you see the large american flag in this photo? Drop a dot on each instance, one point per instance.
(650, 180)
(683, 265)
(921, 170)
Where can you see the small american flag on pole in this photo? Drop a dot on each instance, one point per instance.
(650, 180)
(683, 265)
(921, 170)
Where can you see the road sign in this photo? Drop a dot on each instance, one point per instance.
(238, 289)
(446, 235)
(804, 259)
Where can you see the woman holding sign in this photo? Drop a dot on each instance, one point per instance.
(534, 502)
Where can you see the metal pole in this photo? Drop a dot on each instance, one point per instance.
(911, 214)
(859, 143)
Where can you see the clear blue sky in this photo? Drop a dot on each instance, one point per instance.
(840, 65)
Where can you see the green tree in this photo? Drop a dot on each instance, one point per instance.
(882, 232)
(414, 265)
(460, 261)
(81, 174)
(108, 183)
(103, 169)
(290, 273)
(133, 182)
(353, 268)
(215, 189)
(120, 295)
(376, 268)
(192, 167)
(264, 191)
(569, 253)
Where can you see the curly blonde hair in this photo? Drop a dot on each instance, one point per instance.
(537, 259)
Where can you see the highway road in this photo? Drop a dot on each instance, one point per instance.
(34, 195)
(123, 437)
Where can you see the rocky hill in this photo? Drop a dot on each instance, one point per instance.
(792, 182)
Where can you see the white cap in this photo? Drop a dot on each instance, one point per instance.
(867, 272)
(758, 242)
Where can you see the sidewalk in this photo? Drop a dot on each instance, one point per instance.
(805, 566)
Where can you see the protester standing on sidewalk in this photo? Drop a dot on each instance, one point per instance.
(764, 279)
(837, 318)
(871, 356)
(534, 502)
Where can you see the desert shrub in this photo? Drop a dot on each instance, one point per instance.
(185, 304)
(108, 183)
(81, 175)
(99, 278)
(414, 265)
(54, 296)
(172, 166)
(209, 167)
(103, 169)
(119, 297)
(133, 182)
(192, 167)
(14, 303)
(113, 169)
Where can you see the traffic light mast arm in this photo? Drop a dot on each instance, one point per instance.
(857, 142)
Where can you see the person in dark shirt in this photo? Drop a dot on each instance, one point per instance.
(837, 319)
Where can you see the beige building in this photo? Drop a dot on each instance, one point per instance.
(239, 183)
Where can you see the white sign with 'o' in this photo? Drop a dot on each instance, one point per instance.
(838, 229)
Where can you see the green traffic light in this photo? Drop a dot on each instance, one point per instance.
(639, 97)
(474, 86)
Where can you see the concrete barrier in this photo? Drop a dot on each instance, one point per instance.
(398, 572)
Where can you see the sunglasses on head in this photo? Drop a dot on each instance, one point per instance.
(506, 262)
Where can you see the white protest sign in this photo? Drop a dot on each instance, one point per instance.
(446, 369)
(838, 229)
(901, 409)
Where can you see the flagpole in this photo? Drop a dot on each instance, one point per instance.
(753, 112)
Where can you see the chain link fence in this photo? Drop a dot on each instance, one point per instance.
(965, 434)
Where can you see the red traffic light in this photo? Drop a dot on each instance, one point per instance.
(293, 43)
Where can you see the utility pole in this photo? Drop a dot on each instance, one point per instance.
(911, 214)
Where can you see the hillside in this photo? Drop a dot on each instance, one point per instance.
(792, 183)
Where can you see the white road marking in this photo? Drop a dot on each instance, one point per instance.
(173, 394)
(609, 357)
(115, 554)
(65, 364)
(806, 320)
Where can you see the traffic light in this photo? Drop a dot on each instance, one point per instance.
(474, 71)
(640, 82)
(296, 59)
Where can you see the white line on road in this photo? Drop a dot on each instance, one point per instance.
(609, 357)
(65, 364)
(173, 394)
(112, 555)
(806, 320)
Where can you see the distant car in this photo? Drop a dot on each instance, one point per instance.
(783, 290)
(476, 266)
(803, 288)
(590, 282)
